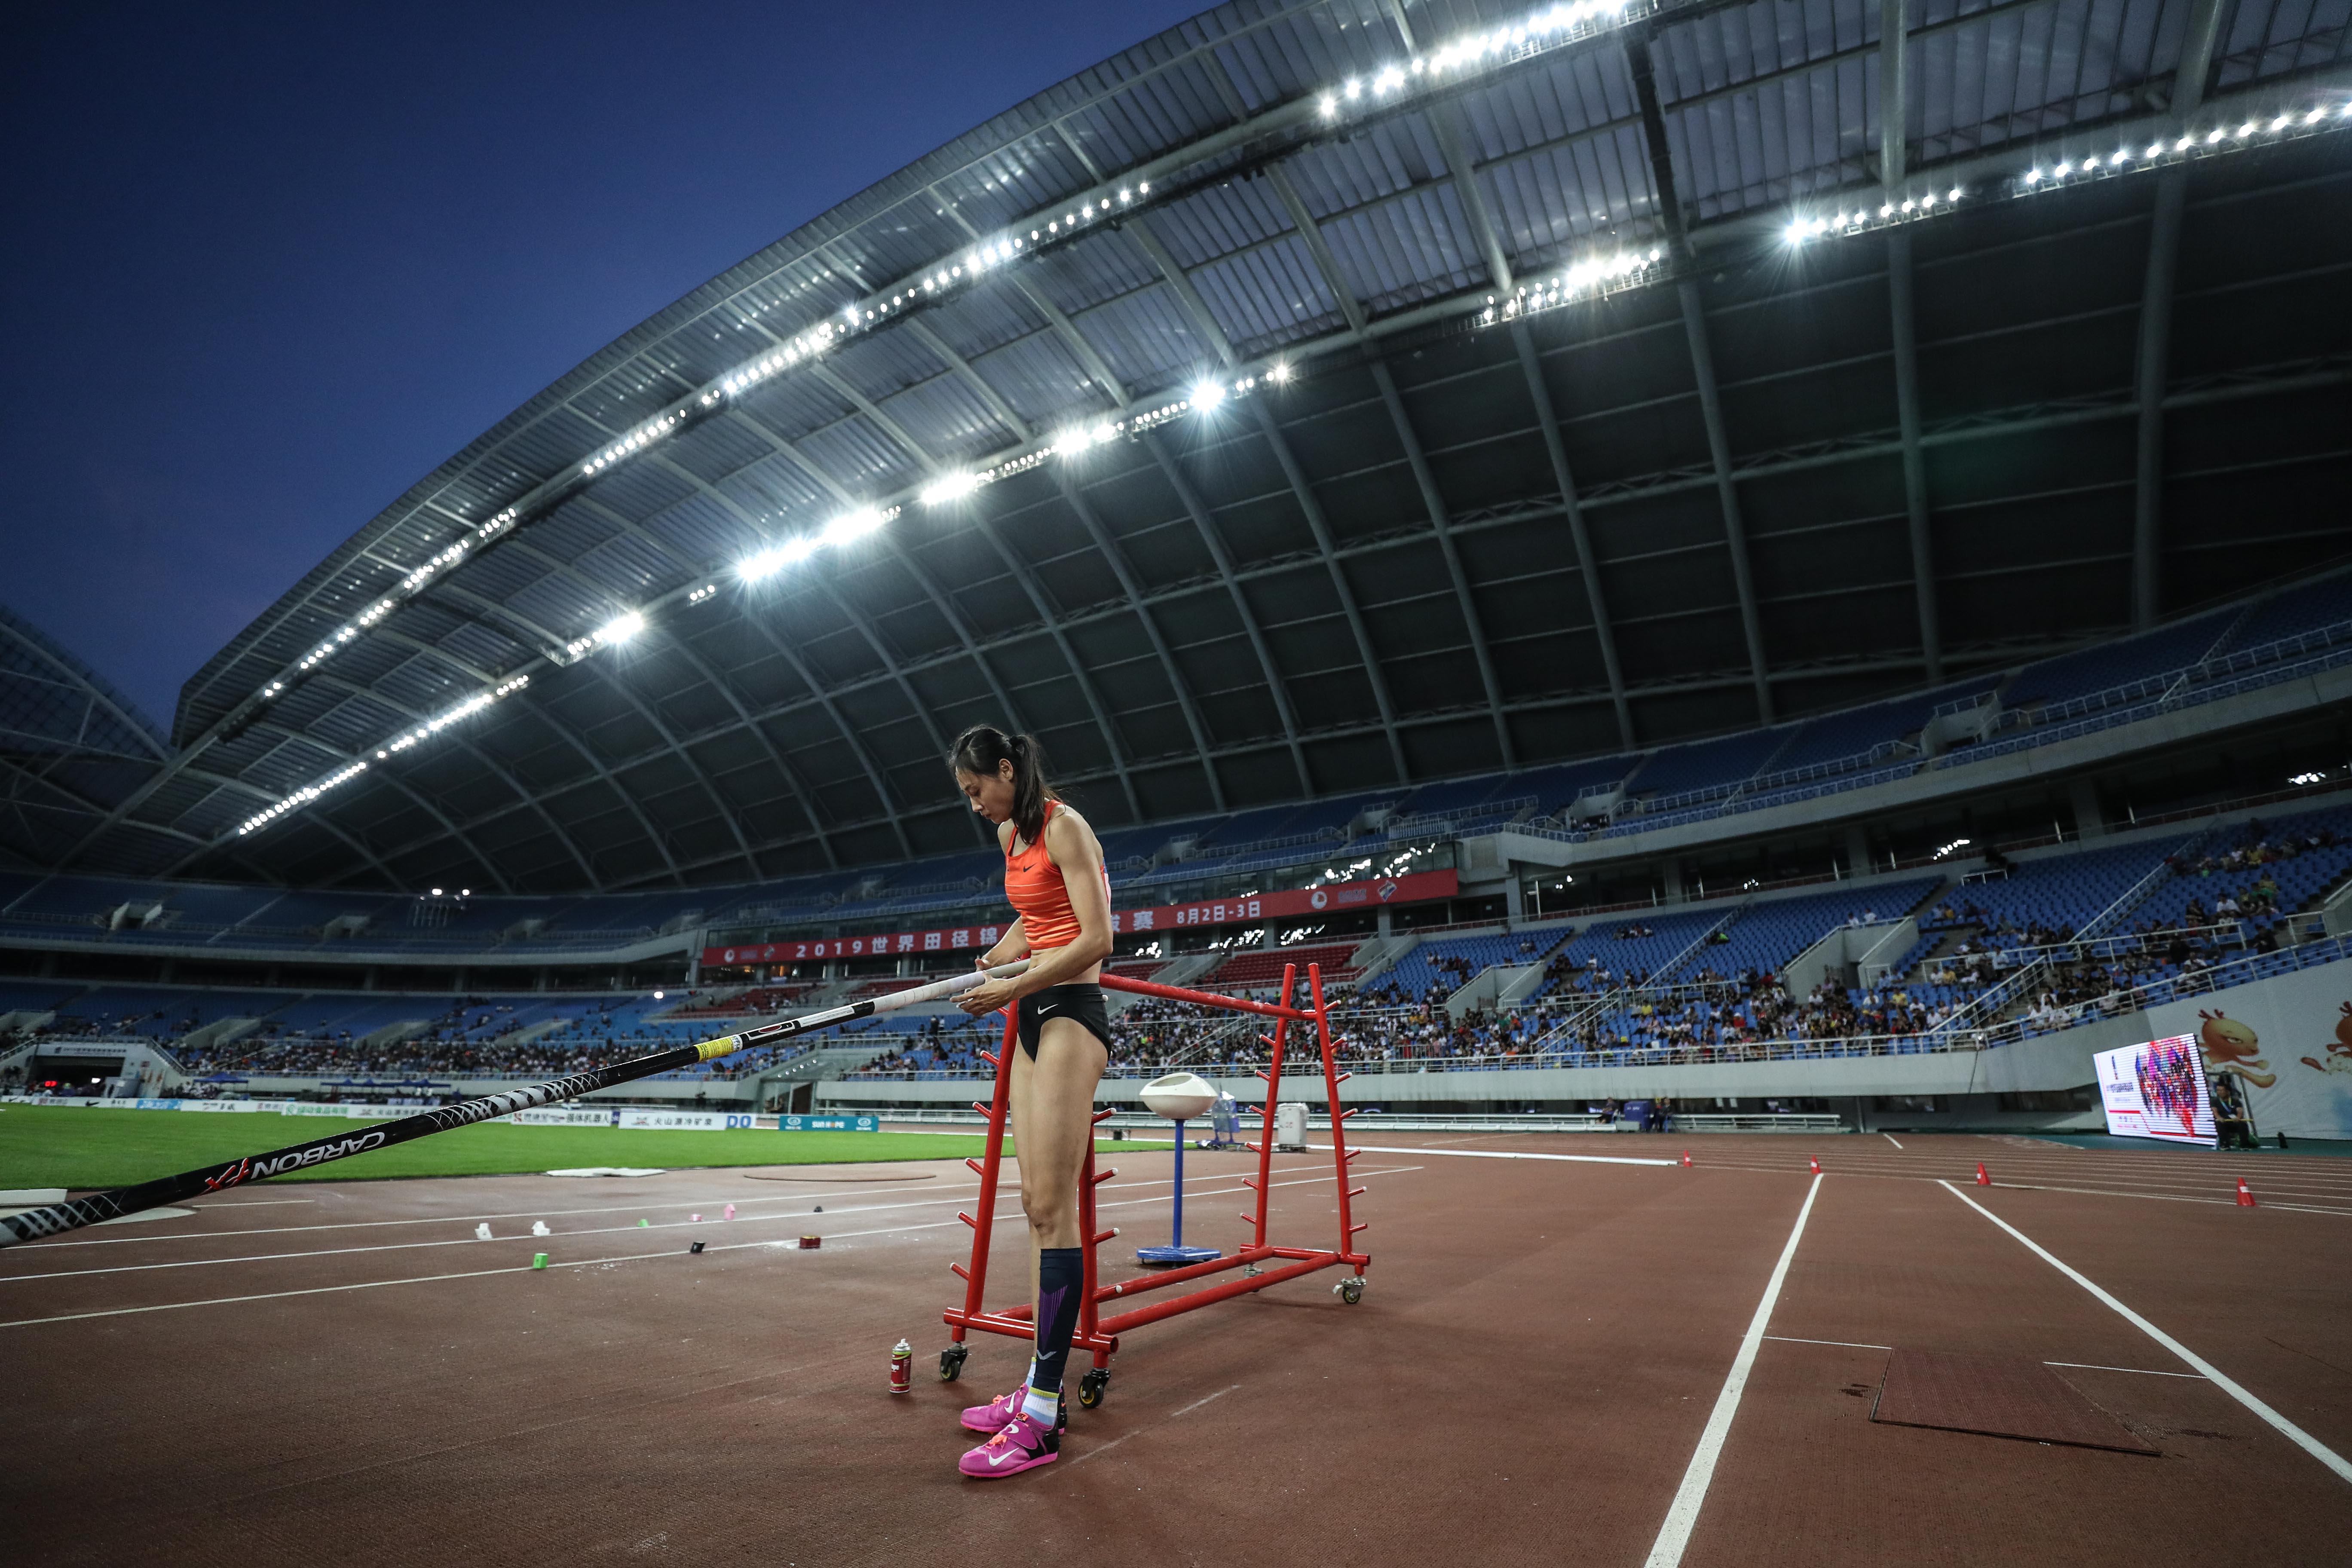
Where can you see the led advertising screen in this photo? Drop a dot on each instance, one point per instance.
(2156, 1090)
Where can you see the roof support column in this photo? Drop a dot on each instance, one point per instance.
(1276, 686)
(2155, 324)
(1116, 559)
(1548, 421)
(2155, 349)
(1710, 404)
(1894, 165)
(1443, 524)
(1320, 526)
(1914, 461)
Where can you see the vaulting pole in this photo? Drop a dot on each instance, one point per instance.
(75, 1213)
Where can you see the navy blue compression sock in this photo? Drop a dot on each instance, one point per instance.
(1061, 1278)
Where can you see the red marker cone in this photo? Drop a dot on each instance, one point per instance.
(1982, 1179)
(1815, 1163)
(1686, 1164)
(2246, 1195)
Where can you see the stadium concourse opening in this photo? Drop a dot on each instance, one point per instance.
(1735, 742)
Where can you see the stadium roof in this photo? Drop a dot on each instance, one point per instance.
(72, 748)
(1332, 394)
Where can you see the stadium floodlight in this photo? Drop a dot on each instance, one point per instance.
(1081, 437)
(851, 525)
(949, 487)
(1207, 394)
(776, 558)
(1280, 374)
(620, 628)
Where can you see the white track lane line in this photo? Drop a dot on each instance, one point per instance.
(598, 1230)
(1494, 1154)
(1010, 1183)
(2142, 1371)
(2293, 1433)
(1139, 1432)
(1682, 1514)
(627, 1258)
(1841, 1344)
(2012, 1186)
(2085, 1365)
(1890, 1139)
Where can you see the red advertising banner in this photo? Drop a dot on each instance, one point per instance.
(1332, 898)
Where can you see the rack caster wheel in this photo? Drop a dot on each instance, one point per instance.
(1351, 1290)
(1091, 1386)
(951, 1363)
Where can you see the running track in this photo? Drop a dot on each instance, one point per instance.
(1537, 1372)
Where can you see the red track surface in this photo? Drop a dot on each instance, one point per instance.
(1526, 1381)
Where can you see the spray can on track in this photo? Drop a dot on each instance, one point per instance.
(902, 1368)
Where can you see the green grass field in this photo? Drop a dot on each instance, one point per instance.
(87, 1149)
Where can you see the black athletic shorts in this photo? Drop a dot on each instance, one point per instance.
(1082, 1001)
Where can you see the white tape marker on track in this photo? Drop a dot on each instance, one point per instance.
(2293, 1433)
(1682, 1514)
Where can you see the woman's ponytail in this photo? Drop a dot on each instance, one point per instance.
(979, 750)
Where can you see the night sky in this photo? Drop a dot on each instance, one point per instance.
(268, 267)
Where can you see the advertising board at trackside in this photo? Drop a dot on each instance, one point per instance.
(1332, 898)
(828, 1123)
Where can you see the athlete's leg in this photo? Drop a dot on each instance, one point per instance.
(1059, 1133)
(1053, 1100)
(992, 1416)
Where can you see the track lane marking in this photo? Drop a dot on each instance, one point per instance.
(625, 1257)
(2013, 1186)
(2293, 1433)
(600, 1230)
(1892, 1138)
(1844, 1344)
(1494, 1154)
(1013, 1184)
(1139, 1431)
(1682, 1514)
(2085, 1365)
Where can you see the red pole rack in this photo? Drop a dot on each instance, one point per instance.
(1099, 1335)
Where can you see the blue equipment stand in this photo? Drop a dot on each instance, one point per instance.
(1176, 1251)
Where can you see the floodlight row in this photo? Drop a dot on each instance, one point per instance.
(1590, 278)
(1539, 31)
(1204, 397)
(1533, 34)
(384, 752)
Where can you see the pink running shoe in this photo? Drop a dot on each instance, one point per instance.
(991, 1416)
(1024, 1443)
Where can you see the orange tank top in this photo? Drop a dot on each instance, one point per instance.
(1039, 894)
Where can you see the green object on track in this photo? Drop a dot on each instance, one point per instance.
(539, 1261)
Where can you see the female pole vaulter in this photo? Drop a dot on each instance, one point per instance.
(1060, 890)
